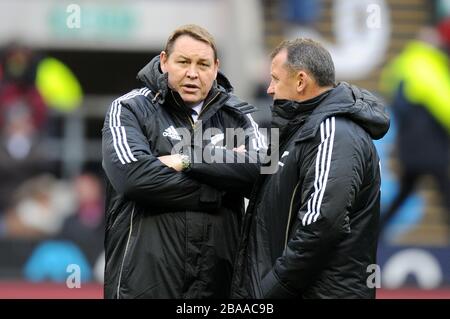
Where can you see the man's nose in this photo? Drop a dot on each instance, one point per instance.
(192, 72)
(270, 90)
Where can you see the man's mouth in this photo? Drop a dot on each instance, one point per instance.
(190, 88)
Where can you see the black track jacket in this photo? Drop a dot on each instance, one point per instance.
(311, 229)
(167, 234)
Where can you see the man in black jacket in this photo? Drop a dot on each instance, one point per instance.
(169, 235)
(310, 230)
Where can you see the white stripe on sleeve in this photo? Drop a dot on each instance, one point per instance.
(118, 132)
(322, 169)
(259, 137)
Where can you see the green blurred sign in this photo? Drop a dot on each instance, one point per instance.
(96, 22)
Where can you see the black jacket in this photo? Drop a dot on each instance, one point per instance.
(311, 228)
(167, 234)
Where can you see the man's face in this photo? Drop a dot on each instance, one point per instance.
(191, 68)
(284, 83)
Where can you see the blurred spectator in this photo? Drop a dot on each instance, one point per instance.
(28, 83)
(45, 81)
(86, 224)
(18, 64)
(40, 208)
(22, 154)
(89, 192)
(419, 82)
(17, 84)
(23, 115)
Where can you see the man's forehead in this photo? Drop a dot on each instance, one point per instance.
(280, 57)
(191, 48)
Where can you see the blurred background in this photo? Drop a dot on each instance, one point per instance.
(63, 62)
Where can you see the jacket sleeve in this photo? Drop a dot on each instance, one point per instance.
(137, 174)
(333, 176)
(229, 170)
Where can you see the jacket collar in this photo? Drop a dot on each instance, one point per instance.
(289, 110)
(349, 101)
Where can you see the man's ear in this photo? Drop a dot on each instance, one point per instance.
(217, 65)
(163, 60)
(302, 81)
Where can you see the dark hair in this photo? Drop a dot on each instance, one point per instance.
(310, 56)
(193, 31)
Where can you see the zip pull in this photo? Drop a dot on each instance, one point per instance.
(155, 99)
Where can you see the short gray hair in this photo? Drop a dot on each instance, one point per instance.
(310, 56)
(194, 31)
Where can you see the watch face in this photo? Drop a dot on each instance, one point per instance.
(185, 161)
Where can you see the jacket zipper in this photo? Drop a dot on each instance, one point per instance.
(203, 109)
(209, 103)
(290, 213)
(125, 253)
(188, 117)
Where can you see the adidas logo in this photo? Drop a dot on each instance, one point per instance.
(172, 133)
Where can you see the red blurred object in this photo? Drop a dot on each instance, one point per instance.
(444, 31)
(413, 293)
(28, 290)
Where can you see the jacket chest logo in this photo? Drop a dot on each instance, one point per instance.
(172, 133)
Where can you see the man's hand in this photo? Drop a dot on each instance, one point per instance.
(173, 161)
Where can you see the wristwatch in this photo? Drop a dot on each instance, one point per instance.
(185, 162)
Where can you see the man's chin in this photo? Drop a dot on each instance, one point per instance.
(190, 101)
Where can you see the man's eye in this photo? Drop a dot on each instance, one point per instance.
(182, 62)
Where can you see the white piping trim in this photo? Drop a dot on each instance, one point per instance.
(259, 137)
(323, 164)
(125, 253)
(118, 132)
